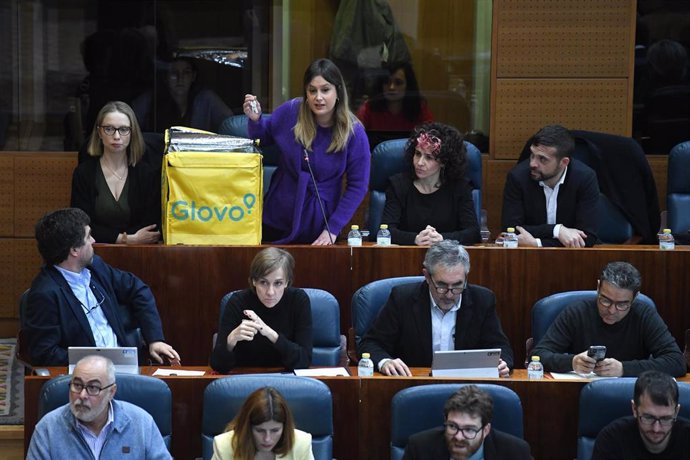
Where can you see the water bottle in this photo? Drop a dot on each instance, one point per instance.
(666, 241)
(484, 229)
(383, 237)
(535, 370)
(510, 240)
(365, 367)
(354, 238)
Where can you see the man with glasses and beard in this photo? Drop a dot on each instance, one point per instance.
(441, 313)
(550, 198)
(79, 300)
(466, 433)
(635, 336)
(93, 424)
(654, 430)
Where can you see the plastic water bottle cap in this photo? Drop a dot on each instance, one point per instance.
(511, 230)
(535, 358)
(667, 231)
(355, 227)
(365, 355)
(384, 226)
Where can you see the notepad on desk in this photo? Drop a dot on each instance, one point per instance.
(172, 372)
(323, 372)
(572, 375)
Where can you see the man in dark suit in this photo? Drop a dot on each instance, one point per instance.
(79, 300)
(552, 199)
(443, 312)
(466, 431)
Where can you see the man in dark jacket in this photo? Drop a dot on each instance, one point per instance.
(466, 432)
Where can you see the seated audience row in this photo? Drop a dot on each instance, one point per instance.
(269, 324)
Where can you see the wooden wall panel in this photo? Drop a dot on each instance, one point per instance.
(576, 38)
(6, 196)
(46, 181)
(19, 263)
(525, 105)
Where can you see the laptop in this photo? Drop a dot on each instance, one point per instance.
(125, 359)
(466, 363)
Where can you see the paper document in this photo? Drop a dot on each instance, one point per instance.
(572, 375)
(177, 372)
(322, 371)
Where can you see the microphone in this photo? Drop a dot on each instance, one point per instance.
(318, 195)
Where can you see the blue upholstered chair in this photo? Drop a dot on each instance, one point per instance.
(309, 399)
(546, 310)
(328, 345)
(603, 401)
(149, 393)
(678, 193)
(614, 228)
(366, 304)
(388, 158)
(420, 408)
(236, 125)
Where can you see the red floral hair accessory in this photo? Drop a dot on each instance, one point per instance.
(428, 143)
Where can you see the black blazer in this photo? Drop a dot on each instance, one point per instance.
(431, 445)
(55, 319)
(143, 199)
(524, 203)
(403, 327)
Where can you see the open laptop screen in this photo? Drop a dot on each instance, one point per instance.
(466, 363)
(125, 359)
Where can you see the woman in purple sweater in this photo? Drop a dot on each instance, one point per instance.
(319, 131)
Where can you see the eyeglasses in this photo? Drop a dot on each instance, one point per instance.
(91, 389)
(443, 289)
(122, 130)
(620, 306)
(100, 298)
(650, 420)
(468, 433)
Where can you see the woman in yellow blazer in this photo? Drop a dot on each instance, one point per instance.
(263, 429)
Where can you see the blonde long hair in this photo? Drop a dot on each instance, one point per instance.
(344, 119)
(136, 147)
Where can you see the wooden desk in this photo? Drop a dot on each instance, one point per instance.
(189, 281)
(362, 415)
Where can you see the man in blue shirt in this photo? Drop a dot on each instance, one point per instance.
(79, 300)
(93, 424)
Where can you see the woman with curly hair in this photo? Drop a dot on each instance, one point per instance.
(433, 200)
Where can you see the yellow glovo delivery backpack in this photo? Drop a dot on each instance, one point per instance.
(212, 189)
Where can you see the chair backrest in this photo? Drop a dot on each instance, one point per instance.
(545, 310)
(151, 394)
(309, 399)
(603, 401)
(614, 228)
(325, 319)
(388, 158)
(678, 195)
(420, 408)
(368, 300)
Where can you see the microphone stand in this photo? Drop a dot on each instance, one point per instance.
(318, 196)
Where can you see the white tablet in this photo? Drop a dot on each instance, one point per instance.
(125, 359)
(466, 363)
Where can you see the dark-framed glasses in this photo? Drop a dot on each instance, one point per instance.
(468, 433)
(91, 389)
(650, 420)
(442, 289)
(122, 130)
(620, 306)
(100, 298)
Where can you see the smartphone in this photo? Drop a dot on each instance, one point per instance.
(597, 352)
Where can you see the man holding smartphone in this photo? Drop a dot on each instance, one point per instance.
(635, 337)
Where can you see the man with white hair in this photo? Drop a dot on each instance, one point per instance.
(93, 424)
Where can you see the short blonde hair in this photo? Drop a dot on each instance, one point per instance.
(135, 150)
